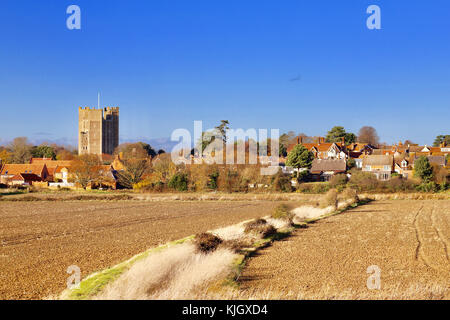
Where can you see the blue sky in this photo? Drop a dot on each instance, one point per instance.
(168, 63)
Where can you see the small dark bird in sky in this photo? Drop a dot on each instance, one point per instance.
(297, 78)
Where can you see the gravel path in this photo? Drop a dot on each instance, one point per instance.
(408, 240)
(40, 240)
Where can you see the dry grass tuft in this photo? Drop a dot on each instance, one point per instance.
(229, 233)
(207, 242)
(178, 272)
(307, 212)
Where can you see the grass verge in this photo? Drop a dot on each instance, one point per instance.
(95, 282)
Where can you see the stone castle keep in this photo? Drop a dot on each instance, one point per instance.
(98, 130)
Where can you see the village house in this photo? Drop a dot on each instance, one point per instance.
(403, 167)
(24, 179)
(361, 148)
(325, 169)
(380, 165)
(57, 169)
(31, 173)
(322, 149)
(108, 176)
(437, 160)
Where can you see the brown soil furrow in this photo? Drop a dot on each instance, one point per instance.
(5, 242)
(416, 228)
(433, 251)
(55, 235)
(439, 234)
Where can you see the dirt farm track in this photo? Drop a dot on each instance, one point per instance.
(408, 240)
(40, 240)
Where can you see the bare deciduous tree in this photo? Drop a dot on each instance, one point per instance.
(368, 135)
(20, 150)
(136, 161)
(85, 170)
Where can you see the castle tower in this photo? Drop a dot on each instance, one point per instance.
(98, 130)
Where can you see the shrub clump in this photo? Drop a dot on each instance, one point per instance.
(428, 187)
(313, 187)
(282, 212)
(363, 181)
(350, 194)
(207, 242)
(339, 181)
(331, 199)
(260, 227)
(179, 182)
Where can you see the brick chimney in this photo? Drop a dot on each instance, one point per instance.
(321, 140)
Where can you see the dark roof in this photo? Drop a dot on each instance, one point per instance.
(321, 165)
(31, 177)
(378, 160)
(26, 177)
(439, 160)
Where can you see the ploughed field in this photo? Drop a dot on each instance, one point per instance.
(408, 240)
(40, 240)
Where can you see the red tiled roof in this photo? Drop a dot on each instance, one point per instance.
(435, 149)
(51, 163)
(320, 147)
(13, 169)
(17, 177)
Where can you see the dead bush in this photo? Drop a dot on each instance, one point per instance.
(282, 212)
(260, 227)
(206, 242)
(350, 194)
(331, 199)
(339, 181)
(254, 224)
(362, 180)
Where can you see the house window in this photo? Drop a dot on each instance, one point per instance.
(387, 168)
(369, 168)
(384, 176)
